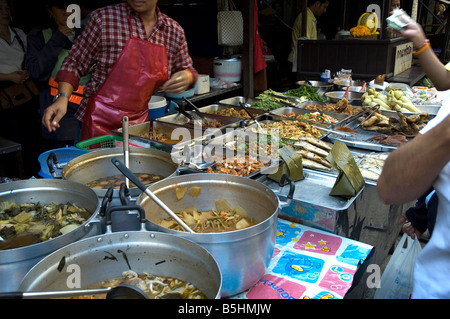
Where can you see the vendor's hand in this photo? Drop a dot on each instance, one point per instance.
(408, 228)
(178, 82)
(54, 113)
(19, 77)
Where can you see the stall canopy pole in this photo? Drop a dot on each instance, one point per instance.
(248, 85)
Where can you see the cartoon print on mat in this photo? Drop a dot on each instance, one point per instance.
(297, 266)
(287, 233)
(354, 254)
(337, 279)
(274, 287)
(319, 243)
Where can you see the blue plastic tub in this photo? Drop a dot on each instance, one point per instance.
(64, 156)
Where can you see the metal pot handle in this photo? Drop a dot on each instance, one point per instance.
(124, 194)
(52, 159)
(290, 195)
(140, 209)
(106, 201)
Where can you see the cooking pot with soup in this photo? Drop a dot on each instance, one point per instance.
(96, 170)
(39, 216)
(160, 264)
(244, 251)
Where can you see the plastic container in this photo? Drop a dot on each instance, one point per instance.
(64, 155)
(105, 141)
(157, 107)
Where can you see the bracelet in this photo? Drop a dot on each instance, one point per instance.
(189, 75)
(422, 48)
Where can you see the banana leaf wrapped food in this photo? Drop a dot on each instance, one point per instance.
(349, 180)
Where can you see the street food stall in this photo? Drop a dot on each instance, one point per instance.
(268, 197)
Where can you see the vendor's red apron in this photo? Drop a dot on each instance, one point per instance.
(141, 68)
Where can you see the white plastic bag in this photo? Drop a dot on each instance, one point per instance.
(398, 277)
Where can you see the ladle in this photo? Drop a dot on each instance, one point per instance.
(126, 146)
(118, 292)
(196, 110)
(125, 171)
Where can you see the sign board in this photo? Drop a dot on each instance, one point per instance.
(403, 57)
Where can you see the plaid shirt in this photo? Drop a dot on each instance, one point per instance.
(103, 40)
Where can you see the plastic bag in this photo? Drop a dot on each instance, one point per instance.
(398, 277)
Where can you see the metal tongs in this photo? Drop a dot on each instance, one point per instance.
(181, 111)
(196, 110)
(250, 114)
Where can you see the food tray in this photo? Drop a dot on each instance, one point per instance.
(181, 120)
(430, 109)
(284, 111)
(139, 133)
(268, 119)
(359, 139)
(235, 100)
(317, 208)
(218, 107)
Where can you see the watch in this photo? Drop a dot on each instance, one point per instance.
(60, 94)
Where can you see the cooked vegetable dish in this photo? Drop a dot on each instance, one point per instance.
(222, 219)
(156, 287)
(45, 221)
(115, 181)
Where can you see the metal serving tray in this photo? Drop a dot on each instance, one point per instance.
(209, 109)
(235, 100)
(430, 109)
(285, 111)
(312, 204)
(181, 120)
(140, 133)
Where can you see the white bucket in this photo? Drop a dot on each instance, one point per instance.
(228, 70)
(157, 102)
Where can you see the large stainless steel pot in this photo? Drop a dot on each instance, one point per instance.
(243, 255)
(96, 164)
(107, 256)
(14, 263)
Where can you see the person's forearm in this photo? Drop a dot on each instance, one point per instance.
(434, 69)
(65, 87)
(411, 169)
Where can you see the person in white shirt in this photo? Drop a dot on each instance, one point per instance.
(419, 164)
(19, 118)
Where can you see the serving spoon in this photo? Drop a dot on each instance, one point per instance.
(125, 171)
(119, 292)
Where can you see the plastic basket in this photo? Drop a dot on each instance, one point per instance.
(105, 141)
(64, 155)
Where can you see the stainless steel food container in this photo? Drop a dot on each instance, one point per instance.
(108, 255)
(322, 87)
(243, 255)
(15, 263)
(285, 111)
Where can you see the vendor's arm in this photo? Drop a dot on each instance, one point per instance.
(55, 112)
(183, 74)
(411, 169)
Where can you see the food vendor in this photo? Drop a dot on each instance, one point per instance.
(133, 50)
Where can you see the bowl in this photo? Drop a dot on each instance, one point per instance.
(322, 87)
(341, 85)
(186, 94)
(336, 96)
